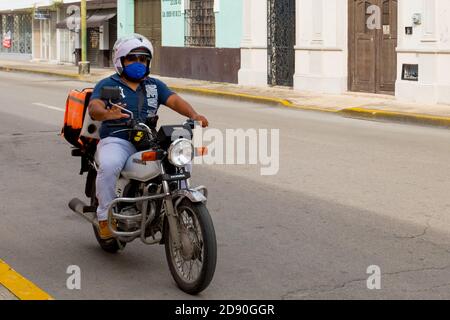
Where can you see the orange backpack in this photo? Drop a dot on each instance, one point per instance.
(76, 107)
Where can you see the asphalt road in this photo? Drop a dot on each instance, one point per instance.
(349, 194)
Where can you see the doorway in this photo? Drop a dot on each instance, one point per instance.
(148, 23)
(372, 55)
(281, 42)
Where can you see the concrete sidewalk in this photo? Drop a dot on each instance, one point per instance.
(365, 106)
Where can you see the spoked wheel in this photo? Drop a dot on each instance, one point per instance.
(110, 245)
(193, 265)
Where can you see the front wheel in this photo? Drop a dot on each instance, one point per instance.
(193, 265)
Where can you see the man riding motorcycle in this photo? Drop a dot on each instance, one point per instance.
(140, 94)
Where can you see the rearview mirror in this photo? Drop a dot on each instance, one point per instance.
(110, 93)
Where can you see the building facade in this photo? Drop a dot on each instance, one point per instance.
(101, 21)
(44, 33)
(197, 39)
(350, 45)
(49, 30)
(16, 33)
(397, 47)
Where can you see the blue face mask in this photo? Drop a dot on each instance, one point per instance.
(136, 71)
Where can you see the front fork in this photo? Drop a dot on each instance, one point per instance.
(172, 215)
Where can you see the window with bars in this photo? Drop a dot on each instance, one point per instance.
(200, 23)
(19, 25)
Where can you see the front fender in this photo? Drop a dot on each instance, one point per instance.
(193, 195)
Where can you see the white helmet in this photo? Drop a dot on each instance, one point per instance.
(124, 45)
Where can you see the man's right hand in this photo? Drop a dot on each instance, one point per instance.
(98, 111)
(115, 113)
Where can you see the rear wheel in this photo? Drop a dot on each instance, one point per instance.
(110, 245)
(193, 265)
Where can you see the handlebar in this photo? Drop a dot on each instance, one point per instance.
(115, 125)
(190, 123)
(122, 108)
(134, 125)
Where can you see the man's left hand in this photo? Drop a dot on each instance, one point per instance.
(202, 119)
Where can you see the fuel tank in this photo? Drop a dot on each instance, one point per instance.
(136, 169)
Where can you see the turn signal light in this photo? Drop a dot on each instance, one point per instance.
(149, 156)
(201, 151)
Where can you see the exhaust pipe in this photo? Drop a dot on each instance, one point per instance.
(79, 207)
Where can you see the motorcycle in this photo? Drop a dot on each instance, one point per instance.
(155, 200)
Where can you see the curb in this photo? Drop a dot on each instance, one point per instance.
(236, 96)
(50, 73)
(248, 97)
(20, 287)
(358, 113)
(393, 116)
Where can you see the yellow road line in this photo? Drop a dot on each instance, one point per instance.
(231, 94)
(399, 116)
(312, 108)
(396, 113)
(283, 102)
(22, 288)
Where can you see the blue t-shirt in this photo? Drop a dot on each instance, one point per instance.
(151, 93)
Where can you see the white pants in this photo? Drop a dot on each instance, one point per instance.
(112, 155)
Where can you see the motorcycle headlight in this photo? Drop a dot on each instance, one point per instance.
(181, 152)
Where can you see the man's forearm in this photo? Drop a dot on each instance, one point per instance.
(97, 110)
(177, 104)
(181, 106)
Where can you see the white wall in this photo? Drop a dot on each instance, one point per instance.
(429, 47)
(321, 46)
(254, 44)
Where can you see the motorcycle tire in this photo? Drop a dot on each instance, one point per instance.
(209, 248)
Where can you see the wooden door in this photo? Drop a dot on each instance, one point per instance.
(372, 56)
(93, 46)
(387, 43)
(147, 15)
